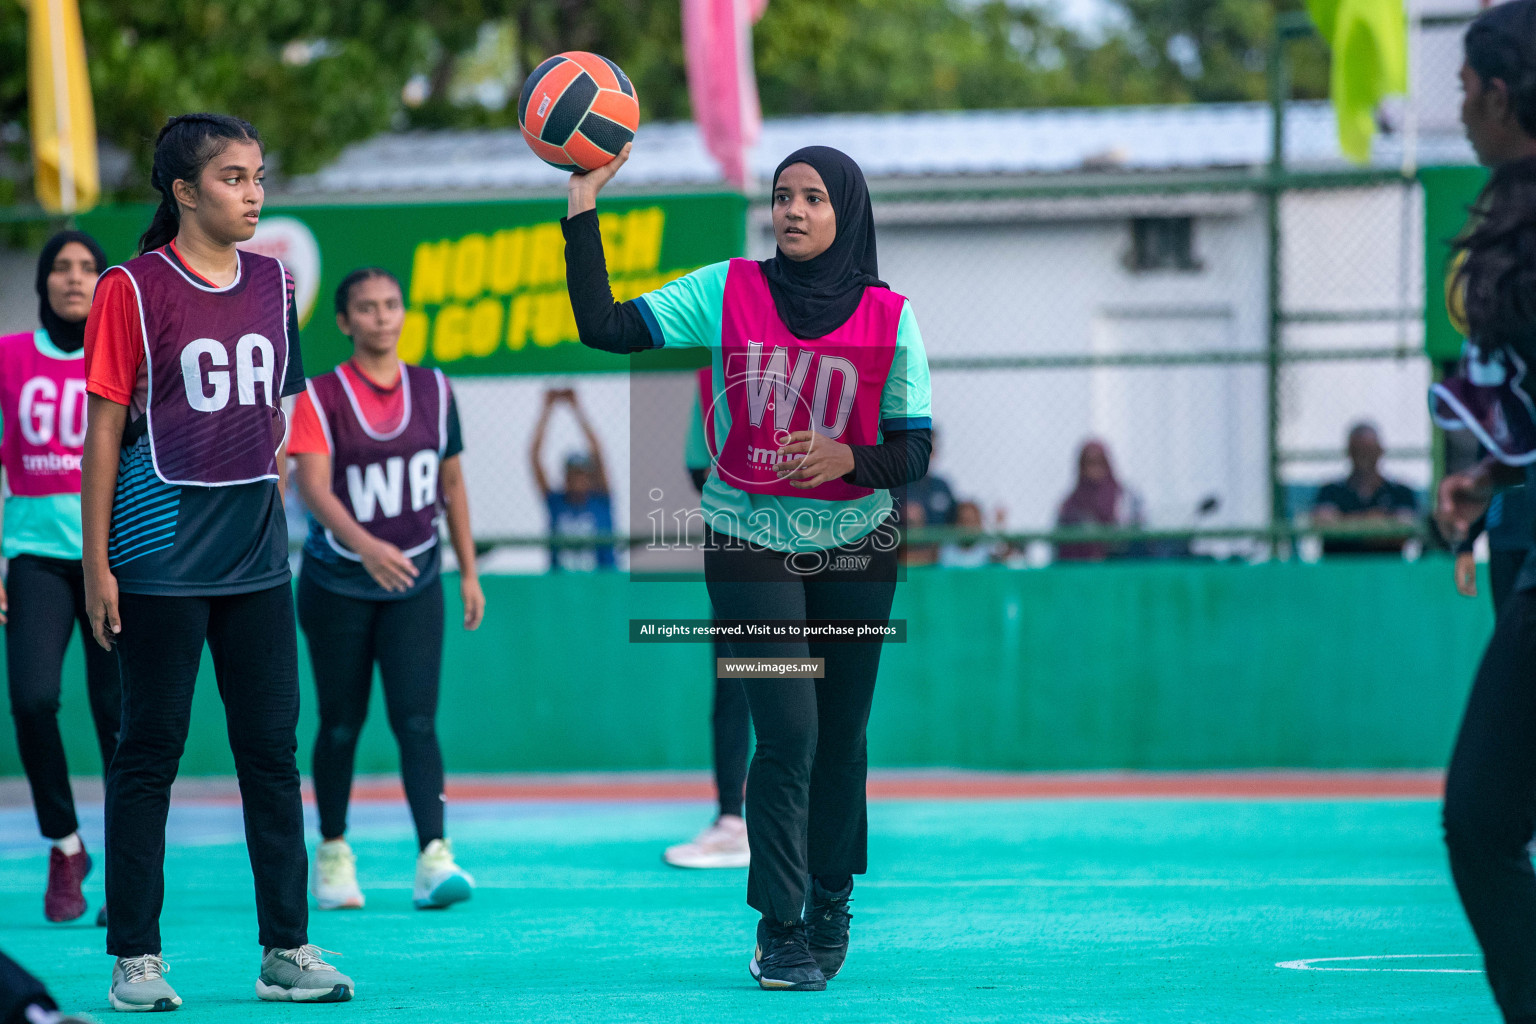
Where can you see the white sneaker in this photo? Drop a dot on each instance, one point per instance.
(721, 845)
(139, 985)
(439, 881)
(333, 880)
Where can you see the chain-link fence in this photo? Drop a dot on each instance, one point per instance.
(1137, 315)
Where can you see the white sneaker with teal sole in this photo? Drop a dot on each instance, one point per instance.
(138, 985)
(333, 878)
(722, 845)
(298, 975)
(439, 881)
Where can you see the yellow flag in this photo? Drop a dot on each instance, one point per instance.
(63, 120)
(1369, 39)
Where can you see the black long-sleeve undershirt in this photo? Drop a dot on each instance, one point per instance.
(618, 327)
(601, 323)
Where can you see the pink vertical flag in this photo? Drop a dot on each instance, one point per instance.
(717, 39)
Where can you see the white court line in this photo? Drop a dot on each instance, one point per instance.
(1306, 965)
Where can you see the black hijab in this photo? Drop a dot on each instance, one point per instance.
(816, 296)
(67, 335)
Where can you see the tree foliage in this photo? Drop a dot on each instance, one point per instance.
(314, 76)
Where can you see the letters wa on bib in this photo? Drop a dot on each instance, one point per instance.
(387, 480)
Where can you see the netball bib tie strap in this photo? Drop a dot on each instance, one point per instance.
(776, 384)
(1489, 396)
(217, 358)
(388, 481)
(43, 400)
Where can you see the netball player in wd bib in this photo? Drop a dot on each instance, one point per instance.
(377, 444)
(820, 399)
(189, 349)
(42, 429)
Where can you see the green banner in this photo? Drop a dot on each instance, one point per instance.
(484, 282)
(1448, 194)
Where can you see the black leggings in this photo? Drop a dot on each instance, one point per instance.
(731, 732)
(256, 665)
(1503, 570)
(47, 600)
(346, 637)
(805, 805)
(1490, 808)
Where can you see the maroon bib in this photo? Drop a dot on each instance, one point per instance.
(388, 481)
(216, 358)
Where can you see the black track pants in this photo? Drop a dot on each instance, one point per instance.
(255, 660)
(1490, 808)
(47, 601)
(805, 802)
(731, 732)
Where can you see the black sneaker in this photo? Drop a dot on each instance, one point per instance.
(782, 962)
(826, 925)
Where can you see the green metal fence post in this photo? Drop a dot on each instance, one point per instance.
(1288, 26)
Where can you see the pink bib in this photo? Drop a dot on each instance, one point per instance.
(43, 403)
(776, 384)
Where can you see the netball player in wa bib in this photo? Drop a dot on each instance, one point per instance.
(42, 431)
(1490, 788)
(821, 402)
(377, 445)
(188, 350)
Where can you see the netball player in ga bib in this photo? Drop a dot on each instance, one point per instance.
(188, 350)
(377, 445)
(1490, 787)
(820, 399)
(42, 429)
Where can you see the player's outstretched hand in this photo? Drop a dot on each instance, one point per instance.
(1466, 574)
(473, 599)
(1460, 500)
(101, 605)
(584, 186)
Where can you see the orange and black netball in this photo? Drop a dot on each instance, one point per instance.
(577, 110)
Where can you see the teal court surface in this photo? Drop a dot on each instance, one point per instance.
(1073, 899)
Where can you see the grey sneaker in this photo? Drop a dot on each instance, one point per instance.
(300, 976)
(138, 985)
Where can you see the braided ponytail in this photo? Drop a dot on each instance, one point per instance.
(182, 149)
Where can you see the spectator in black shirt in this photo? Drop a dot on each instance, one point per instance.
(1365, 497)
(933, 492)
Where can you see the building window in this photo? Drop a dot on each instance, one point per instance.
(1163, 243)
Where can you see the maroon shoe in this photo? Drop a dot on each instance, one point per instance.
(64, 900)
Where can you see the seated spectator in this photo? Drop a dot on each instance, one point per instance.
(915, 517)
(969, 554)
(1364, 497)
(582, 506)
(1098, 499)
(932, 492)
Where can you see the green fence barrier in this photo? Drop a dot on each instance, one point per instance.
(1344, 664)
